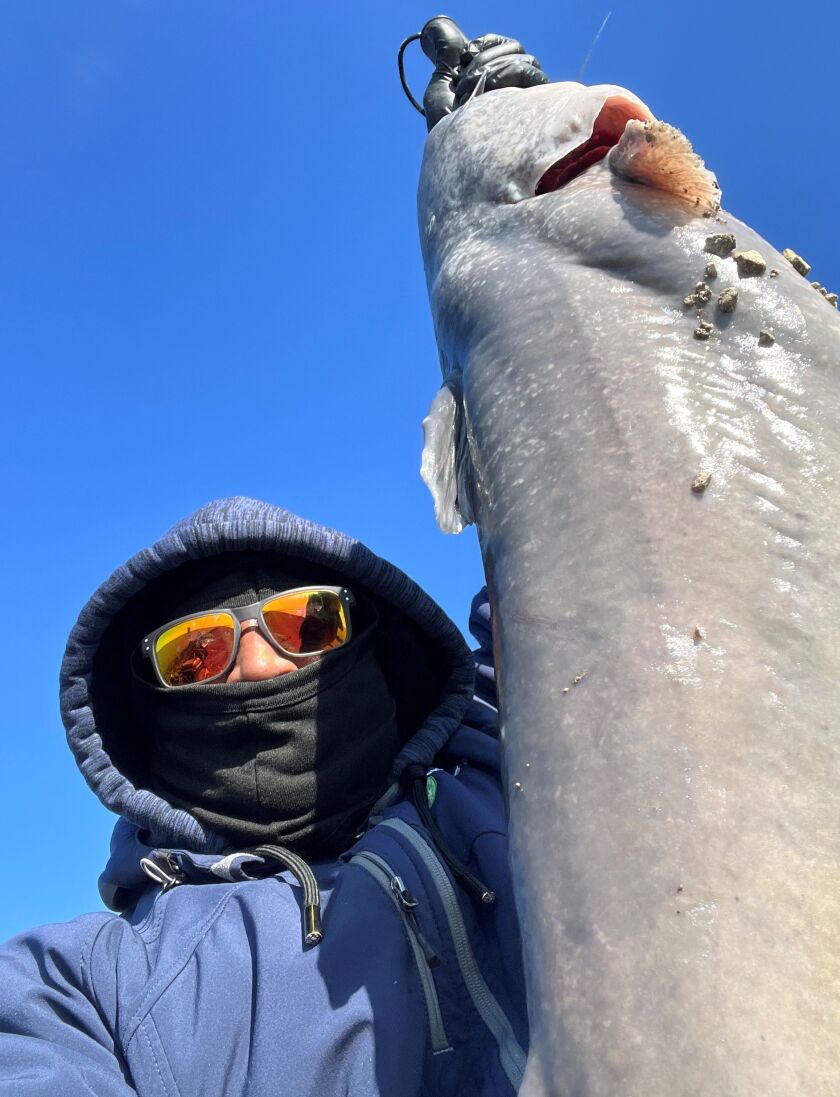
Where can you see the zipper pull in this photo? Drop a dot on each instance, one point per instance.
(404, 896)
(408, 905)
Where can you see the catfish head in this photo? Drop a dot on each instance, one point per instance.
(503, 192)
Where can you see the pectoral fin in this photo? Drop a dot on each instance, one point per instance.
(442, 465)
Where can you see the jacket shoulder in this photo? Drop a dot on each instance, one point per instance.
(56, 1035)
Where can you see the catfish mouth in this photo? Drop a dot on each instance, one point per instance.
(606, 133)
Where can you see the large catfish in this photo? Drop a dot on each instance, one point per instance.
(641, 414)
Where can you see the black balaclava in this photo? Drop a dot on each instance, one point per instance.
(298, 759)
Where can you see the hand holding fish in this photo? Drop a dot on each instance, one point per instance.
(467, 68)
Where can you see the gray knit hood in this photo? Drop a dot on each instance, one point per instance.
(95, 708)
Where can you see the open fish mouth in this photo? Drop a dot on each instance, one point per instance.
(607, 131)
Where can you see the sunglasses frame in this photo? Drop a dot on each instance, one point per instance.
(247, 613)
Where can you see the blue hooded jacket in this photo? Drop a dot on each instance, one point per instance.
(201, 983)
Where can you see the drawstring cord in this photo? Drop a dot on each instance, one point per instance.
(313, 932)
(163, 870)
(415, 777)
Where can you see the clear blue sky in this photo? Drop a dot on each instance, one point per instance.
(208, 238)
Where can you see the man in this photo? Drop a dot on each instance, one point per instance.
(310, 868)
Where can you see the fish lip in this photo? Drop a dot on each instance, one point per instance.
(607, 130)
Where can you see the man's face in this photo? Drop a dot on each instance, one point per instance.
(247, 625)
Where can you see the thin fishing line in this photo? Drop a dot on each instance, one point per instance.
(592, 47)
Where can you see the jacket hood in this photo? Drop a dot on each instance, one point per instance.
(422, 653)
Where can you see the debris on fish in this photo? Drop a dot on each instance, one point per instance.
(578, 678)
(700, 482)
(721, 243)
(659, 155)
(796, 261)
(702, 295)
(749, 263)
(703, 330)
(727, 300)
(830, 297)
(711, 270)
(766, 338)
(698, 636)
(774, 273)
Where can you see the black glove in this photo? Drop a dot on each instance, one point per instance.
(501, 62)
(463, 68)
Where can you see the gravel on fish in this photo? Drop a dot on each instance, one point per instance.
(766, 338)
(711, 270)
(703, 330)
(700, 482)
(830, 297)
(721, 243)
(702, 295)
(727, 300)
(796, 261)
(749, 263)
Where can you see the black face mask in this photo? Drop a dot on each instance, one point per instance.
(297, 760)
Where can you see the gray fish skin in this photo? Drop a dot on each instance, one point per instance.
(668, 660)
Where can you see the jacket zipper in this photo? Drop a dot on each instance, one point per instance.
(511, 1054)
(424, 956)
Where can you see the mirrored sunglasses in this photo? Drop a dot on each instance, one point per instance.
(202, 647)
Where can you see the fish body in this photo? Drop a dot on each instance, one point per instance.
(658, 512)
